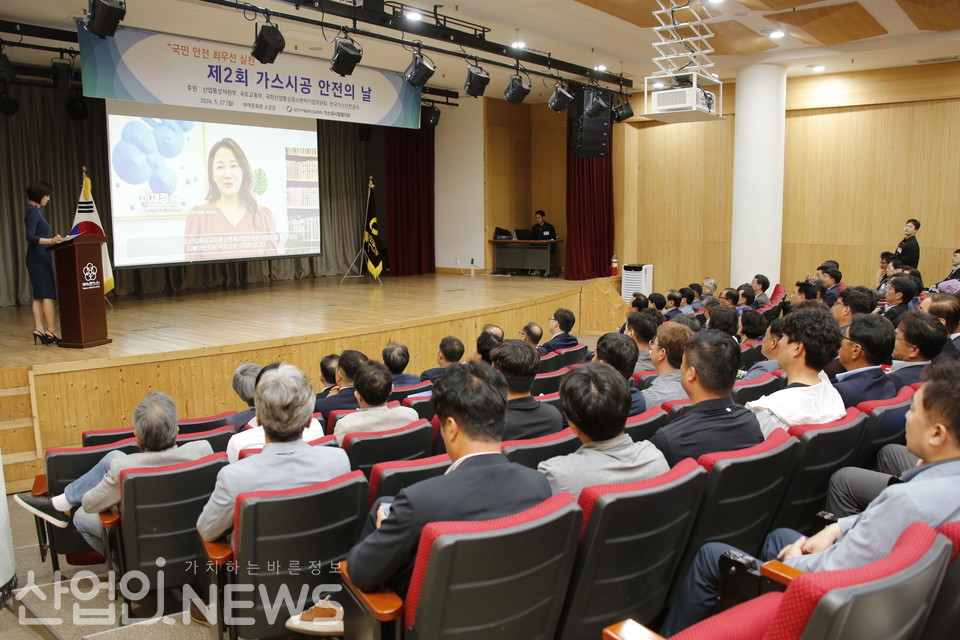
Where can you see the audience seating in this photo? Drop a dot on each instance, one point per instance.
(98, 437)
(218, 438)
(745, 391)
(643, 379)
(325, 441)
(64, 465)
(643, 425)
(888, 598)
(195, 425)
(423, 406)
(546, 383)
(550, 362)
(399, 393)
(750, 354)
(944, 617)
(823, 449)
(157, 518)
(631, 540)
(778, 293)
(532, 452)
(886, 424)
(289, 537)
(502, 578)
(552, 399)
(572, 355)
(411, 442)
(676, 408)
(336, 414)
(743, 492)
(388, 478)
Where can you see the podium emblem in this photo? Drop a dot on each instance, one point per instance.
(90, 272)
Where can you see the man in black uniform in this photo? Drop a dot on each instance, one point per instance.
(909, 249)
(543, 230)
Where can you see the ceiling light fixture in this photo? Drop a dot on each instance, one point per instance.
(622, 111)
(517, 42)
(420, 69)
(517, 89)
(269, 43)
(412, 15)
(347, 54)
(816, 68)
(103, 16)
(560, 99)
(776, 34)
(593, 103)
(477, 80)
(600, 67)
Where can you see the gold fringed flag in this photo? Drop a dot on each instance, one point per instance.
(87, 222)
(371, 237)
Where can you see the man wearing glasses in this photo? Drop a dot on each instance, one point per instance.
(868, 344)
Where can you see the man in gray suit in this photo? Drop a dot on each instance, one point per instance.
(155, 427)
(284, 401)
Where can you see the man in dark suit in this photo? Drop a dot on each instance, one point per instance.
(450, 352)
(945, 308)
(328, 374)
(244, 383)
(900, 291)
(559, 326)
(543, 230)
(868, 343)
(909, 249)
(344, 398)
(833, 277)
(481, 484)
(396, 357)
(621, 352)
(920, 339)
(527, 417)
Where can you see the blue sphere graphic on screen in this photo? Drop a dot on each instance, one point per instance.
(143, 150)
(169, 139)
(163, 180)
(131, 163)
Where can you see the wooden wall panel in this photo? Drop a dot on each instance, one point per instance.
(853, 176)
(607, 308)
(548, 170)
(506, 160)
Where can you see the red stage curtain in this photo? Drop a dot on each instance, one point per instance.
(410, 194)
(589, 214)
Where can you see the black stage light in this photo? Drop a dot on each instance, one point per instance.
(431, 115)
(8, 105)
(103, 16)
(477, 81)
(77, 108)
(7, 72)
(62, 73)
(517, 90)
(347, 54)
(269, 44)
(622, 111)
(593, 102)
(560, 99)
(418, 71)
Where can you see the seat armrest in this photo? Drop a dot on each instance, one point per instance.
(779, 572)
(629, 630)
(219, 552)
(39, 485)
(384, 606)
(109, 519)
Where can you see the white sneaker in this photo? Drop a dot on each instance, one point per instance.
(322, 619)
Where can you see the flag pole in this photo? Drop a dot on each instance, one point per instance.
(362, 256)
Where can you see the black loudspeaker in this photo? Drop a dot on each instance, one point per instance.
(430, 116)
(346, 56)
(365, 131)
(103, 16)
(591, 136)
(269, 44)
(62, 73)
(476, 82)
(7, 72)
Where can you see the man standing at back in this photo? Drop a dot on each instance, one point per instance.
(908, 251)
(481, 484)
(527, 417)
(560, 326)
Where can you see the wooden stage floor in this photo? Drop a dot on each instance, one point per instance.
(155, 324)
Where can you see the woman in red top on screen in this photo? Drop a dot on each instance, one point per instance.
(231, 224)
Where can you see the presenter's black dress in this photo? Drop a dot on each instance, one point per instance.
(39, 260)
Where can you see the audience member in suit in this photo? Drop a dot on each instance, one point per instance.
(954, 269)
(920, 338)
(771, 340)
(729, 298)
(802, 292)
(328, 374)
(531, 333)
(760, 284)
(832, 277)
(909, 248)
(690, 322)
(710, 287)
(709, 304)
(397, 357)
(620, 352)
(868, 344)
(372, 387)
(560, 326)
(672, 308)
(886, 257)
(485, 344)
(493, 329)
(666, 350)
(642, 328)
(714, 422)
(596, 401)
(687, 297)
(900, 291)
(638, 302)
(284, 401)
(926, 494)
(745, 299)
(450, 352)
(657, 301)
(723, 319)
(697, 302)
(155, 427)
(244, 382)
(481, 484)
(946, 308)
(527, 417)
(811, 338)
(342, 397)
(851, 301)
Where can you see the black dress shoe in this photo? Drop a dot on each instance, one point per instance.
(42, 507)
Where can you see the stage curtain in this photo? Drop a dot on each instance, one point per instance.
(589, 215)
(41, 142)
(410, 197)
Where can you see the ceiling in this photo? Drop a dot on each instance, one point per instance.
(839, 34)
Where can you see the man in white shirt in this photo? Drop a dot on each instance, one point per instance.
(372, 386)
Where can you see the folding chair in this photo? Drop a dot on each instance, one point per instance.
(643, 379)
(643, 425)
(546, 383)
(388, 478)
(399, 393)
(218, 438)
(406, 443)
(550, 362)
(97, 437)
(886, 424)
(196, 425)
(532, 452)
(572, 355)
(745, 391)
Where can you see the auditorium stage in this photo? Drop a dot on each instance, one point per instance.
(188, 345)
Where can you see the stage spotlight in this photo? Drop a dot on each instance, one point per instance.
(477, 81)
(593, 102)
(8, 105)
(346, 56)
(430, 116)
(103, 16)
(622, 111)
(269, 44)
(62, 73)
(418, 71)
(560, 99)
(517, 90)
(77, 108)
(7, 72)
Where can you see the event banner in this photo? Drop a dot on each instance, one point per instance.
(143, 66)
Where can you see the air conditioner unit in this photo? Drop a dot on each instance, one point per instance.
(683, 99)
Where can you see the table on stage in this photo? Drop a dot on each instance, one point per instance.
(533, 255)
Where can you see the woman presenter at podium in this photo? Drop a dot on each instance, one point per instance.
(230, 224)
(40, 262)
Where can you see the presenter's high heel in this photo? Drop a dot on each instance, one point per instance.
(53, 338)
(42, 337)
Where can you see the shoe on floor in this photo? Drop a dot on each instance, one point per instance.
(322, 619)
(42, 507)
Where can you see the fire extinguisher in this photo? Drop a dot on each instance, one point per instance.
(614, 265)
